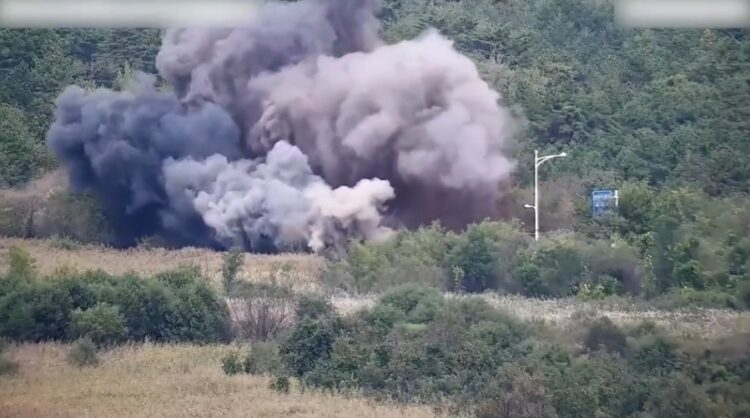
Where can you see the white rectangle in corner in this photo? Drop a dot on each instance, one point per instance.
(126, 13)
(683, 13)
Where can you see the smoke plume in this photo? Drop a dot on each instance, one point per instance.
(302, 129)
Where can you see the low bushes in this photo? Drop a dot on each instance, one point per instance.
(490, 256)
(416, 346)
(102, 323)
(173, 306)
(83, 354)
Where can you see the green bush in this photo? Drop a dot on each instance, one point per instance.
(173, 306)
(280, 384)
(83, 354)
(485, 256)
(309, 343)
(313, 307)
(35, 311)
(21, 265)
(231, 266)
(553, 268)
(604, 334)
(103, 324)
(231, 364)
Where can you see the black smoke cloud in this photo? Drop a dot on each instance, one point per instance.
(300, 130)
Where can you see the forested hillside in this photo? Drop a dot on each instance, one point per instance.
(668, 107)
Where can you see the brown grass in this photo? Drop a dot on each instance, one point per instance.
(299, 270)
(163, 381)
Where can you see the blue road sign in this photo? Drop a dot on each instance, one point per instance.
(602, 202)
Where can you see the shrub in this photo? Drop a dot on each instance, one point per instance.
(309, 342)
(21, 264)
(103, 324)
(654, 353)
(677, 398)
(231, 364)
(313, 307)
(280, 384)
(553, 268)
(615, 265)
(518, 395)
(604, 334)
(231, 266)
(415, 301)
(175, 306)
(35, 311)
(486, 256)
(83, 353)
(474, 255)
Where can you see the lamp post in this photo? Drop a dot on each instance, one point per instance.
(537, 162)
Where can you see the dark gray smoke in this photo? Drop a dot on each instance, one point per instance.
(300, 130)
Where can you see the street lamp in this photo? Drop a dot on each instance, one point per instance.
(537, 162)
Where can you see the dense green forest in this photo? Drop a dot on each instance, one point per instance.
(667, 107)
(662, 115)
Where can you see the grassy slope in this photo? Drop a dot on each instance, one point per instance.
(162, 381)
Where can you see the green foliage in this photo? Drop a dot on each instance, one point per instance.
(605, 335)
(20, 263)
(173, 306)
(20, 155)
(83, 354)
(313, 307)
(309, 343)
(281, 384)
(231, 364)
(102, 324)
(479, 360)
(230, 267)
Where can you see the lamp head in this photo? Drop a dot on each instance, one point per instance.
(563, 154)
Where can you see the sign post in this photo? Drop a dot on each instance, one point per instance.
(603, 202)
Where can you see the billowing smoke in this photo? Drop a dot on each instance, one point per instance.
(301, 130)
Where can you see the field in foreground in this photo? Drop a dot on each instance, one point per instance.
(149, 380)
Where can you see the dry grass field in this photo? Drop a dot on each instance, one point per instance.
(300, 270)
(163, 381)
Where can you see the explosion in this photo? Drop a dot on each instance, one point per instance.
(302, 129)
